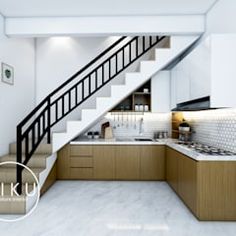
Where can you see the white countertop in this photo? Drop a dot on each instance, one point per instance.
(168, 142)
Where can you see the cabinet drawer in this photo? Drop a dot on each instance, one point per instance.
(76, 150)
(81, 162)
(81, 173)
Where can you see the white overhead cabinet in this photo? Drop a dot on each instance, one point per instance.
(160, 86)
(209, 70)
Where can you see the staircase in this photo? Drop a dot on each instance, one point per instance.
(30, 147)
(163, 56)
(40, 163)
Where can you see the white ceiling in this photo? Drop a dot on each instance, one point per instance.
(42, 8)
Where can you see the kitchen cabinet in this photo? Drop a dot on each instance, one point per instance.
(75, 162)
(152, 162)
(104, 162)
(160, 87)
(207, 71)
(187, 181)
(63, 163)
(111, 162)
(141, 97)
(127, 162)
(172, 168)
(181, 175)
(208, 188)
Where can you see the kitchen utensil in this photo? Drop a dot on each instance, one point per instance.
(114, 122)
(108, 133)
(104, 126)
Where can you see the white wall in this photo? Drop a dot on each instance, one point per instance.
(58, 58)
(17, 100)
(221, 18)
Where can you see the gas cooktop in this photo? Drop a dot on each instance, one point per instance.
(206, 149)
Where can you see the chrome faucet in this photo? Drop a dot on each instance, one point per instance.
(141, 126)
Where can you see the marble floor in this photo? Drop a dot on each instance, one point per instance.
(84, 208)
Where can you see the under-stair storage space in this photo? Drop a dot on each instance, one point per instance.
(112, 162)
(138, 101)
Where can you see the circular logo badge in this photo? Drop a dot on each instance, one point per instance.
(14, 206)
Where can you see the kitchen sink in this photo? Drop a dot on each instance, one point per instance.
(143, 139)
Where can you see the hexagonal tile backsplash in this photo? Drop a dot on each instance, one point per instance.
(214, 127)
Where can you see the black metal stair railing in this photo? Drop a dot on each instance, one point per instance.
(73, 92)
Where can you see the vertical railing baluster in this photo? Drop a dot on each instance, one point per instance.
(49, 120)
(44, 122)
(96, 79)
(109, 68)
(123, 58)
(39, 128)
(82, 90)
(56, 110)
(19, 159)
(27, 145)
(63, 105)
(33, 136)
(143, 43)
(89, 84)
(116, 63)
(103, 79)
(69, 100)
(130, 52)
(76, 95)
(136, 43)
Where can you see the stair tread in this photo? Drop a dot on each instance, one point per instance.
(13, 156)
(13, 170)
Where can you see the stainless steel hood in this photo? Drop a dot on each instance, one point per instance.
(194, 105)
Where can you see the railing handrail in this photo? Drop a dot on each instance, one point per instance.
(44, 101)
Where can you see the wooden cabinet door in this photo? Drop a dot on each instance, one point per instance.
(187, 178)
(63, 163)
(127, 161)
(104, 162)
(172, 168)
(152, 162)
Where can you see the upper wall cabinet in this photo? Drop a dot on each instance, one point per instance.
(209, 70)
(160, 85)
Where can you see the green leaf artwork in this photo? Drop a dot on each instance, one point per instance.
(8, 73)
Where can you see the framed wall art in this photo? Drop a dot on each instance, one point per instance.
(7, 74)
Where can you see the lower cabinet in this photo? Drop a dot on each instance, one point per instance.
(127, 162)
(208, 188)
(111, 162)
(152, 162)
(181, 174)
(172, 168)
(104, 162)
(187, 181)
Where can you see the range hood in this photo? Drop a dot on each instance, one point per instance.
(194, 105)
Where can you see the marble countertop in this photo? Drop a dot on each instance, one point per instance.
(168, 142)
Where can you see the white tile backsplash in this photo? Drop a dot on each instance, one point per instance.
(127, 124)
(214, 127)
